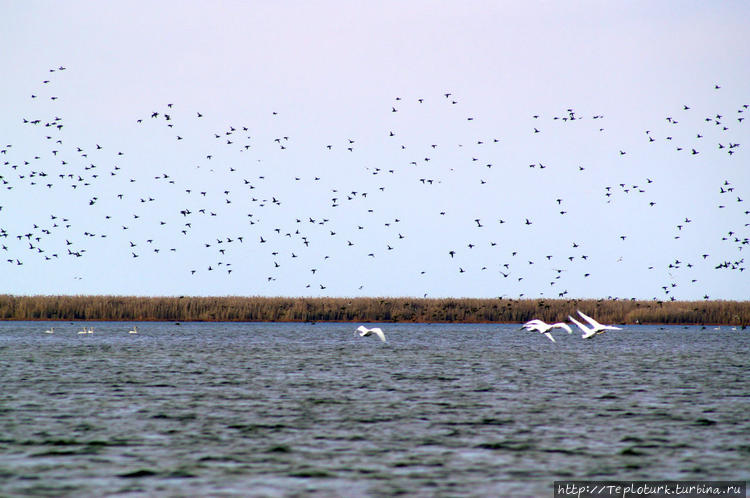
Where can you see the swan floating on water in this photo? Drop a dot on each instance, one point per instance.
(134, 331)
(544, 328)
(364, 332)
(50, 331)
(596, 327)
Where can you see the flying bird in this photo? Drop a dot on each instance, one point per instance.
(595, 328)
(544, 328)
(365, 332)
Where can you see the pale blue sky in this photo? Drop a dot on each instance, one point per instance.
(324, 73)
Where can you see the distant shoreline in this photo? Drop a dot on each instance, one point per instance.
(366, 309)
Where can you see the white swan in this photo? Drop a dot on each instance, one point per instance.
(134, 331)
(50, 331)
(596, 327)
(544, 328)
(364, 332)
(84, 331)
(90, 330)
(538, 325)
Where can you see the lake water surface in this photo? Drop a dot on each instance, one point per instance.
(259, 409)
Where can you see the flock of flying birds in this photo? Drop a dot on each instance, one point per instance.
(219, 200)
(593, 328)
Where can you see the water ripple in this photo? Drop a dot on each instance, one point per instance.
(285, 409)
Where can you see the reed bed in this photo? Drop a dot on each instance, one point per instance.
(399, 309)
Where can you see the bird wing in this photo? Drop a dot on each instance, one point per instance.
(565, 326)
(535, 324)
(587, 332)
(581, 326)
(593, 322)
(598, 325)
(549, 336)
(379, 333)
(362, 330)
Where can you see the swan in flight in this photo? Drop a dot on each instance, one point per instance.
(544, 328)
(50, 331)
(596, 327)
(134, 331)
(364, 332)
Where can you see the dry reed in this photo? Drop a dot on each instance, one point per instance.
(399, 309)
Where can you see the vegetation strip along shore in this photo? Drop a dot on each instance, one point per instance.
(360, 309)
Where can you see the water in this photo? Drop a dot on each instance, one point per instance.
(309, 409)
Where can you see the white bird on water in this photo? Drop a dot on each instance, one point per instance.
(134, 331)
(596, 327)
(364, 332)
(50, 331)
(544, 328)
(84, 331)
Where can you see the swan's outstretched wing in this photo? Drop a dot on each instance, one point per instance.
(563, 326)
(596, 324)
(581, 326)
(362, 330)
(377, 331)
(549, 336)
(587, 332)
(593, 322)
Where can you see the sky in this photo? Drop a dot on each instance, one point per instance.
(430, 149)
